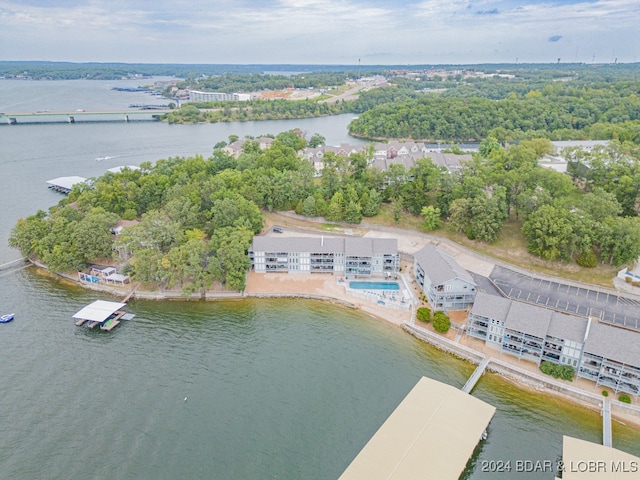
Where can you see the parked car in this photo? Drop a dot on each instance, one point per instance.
(277, 229)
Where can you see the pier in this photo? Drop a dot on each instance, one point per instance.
(607, 435)
(473, 379)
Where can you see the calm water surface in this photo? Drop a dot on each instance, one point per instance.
(275, 389)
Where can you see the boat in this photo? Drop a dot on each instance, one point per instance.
(7, 317)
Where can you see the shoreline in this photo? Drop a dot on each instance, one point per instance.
(322, 288)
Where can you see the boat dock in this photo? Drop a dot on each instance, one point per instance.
(101, 312)
(473, 379)
(113, 321)
(431, 434)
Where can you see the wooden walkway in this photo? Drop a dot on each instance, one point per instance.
(607, 435)
(130, 294)
(473, 379)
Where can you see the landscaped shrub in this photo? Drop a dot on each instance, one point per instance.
(588, 259)
(605, 393)
(441, 322)
(423, 314)
(624, 398)
(565, 372)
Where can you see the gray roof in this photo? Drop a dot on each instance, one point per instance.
(528, 319)
(491, 306)
(298, 244)
(358, 247)
(614, 343)
(365, 247)
(440, 266)
(567, 327)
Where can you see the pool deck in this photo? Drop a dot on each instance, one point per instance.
(321, 286)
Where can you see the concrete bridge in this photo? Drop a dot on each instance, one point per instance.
(77, 116)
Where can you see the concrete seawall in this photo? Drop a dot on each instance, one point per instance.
(520, 375)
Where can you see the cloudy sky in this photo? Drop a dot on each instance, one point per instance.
(321, 31)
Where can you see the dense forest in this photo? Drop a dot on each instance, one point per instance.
(557, 111)
(451, 106)
(196, 216)
(40, 70)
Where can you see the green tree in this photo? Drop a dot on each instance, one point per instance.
(353, 212)
(335, 209)
(309, 206)
(229, 246)
(316, 140)
(27, 233)
(92, 237)
(432, 220)
(441, 322)
(549, 233)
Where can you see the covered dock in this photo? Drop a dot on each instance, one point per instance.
(582, 460)
(64, 184)
(101, 312)
(431, 434)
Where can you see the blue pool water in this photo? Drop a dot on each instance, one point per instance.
(374, 285)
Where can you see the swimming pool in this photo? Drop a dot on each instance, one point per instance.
(374, 286)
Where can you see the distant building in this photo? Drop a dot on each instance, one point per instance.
(446, 284)
(347, 256)
(235, 149)
(198, 96)
(386, 154)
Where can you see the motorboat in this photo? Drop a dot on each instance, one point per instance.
(7, 317)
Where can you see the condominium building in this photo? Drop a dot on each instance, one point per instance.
(446, 284)
(198, 96)
(347, 256)
(605, 354)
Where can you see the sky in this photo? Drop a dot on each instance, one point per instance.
(339, 32)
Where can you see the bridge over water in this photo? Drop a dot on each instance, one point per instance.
(77, 116)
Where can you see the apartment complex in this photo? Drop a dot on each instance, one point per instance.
(198, 96)
(607, 355)
(446, 284)
(346, 256)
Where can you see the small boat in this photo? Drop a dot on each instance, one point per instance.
(7, 317)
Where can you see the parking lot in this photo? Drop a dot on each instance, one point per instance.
(609, 308)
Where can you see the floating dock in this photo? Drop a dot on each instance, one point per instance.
(101, 312)
(431, 434)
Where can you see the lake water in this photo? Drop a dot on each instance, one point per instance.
(279, 389)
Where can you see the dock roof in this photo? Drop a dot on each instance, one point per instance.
(431, 434)
(607, 462)
(98, 311)
(65, 183)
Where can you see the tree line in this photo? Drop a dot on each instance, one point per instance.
(196, 216)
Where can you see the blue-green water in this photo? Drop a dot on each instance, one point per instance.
(277, 389)
(374, 285)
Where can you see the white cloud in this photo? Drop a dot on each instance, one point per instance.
(317, 31)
